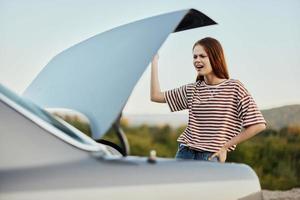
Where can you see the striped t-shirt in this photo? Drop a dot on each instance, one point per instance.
(217, 113)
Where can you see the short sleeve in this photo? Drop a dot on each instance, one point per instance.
(177, 98)
(248, 112)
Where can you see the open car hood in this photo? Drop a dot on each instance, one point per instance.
(96, 76)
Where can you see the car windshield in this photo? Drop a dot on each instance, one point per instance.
(39, 112)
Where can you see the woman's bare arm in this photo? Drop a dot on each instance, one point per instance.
(246, 134)
(156, 94)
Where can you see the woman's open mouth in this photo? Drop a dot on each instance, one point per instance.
(199, 67)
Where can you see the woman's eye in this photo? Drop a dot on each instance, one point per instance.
(201, 56)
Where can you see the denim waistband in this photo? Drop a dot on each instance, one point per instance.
(181, 145)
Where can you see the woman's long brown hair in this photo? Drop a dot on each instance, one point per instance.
(216, 57)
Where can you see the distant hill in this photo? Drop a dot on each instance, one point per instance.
(282, 116)
(275, 117)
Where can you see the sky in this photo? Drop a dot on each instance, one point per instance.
(261, 40)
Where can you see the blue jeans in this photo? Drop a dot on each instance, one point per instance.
(185, 152)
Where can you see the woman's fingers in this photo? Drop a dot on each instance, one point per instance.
(222, 154)
(155, 58)
(214, 155)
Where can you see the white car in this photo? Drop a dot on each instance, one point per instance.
(43, 157)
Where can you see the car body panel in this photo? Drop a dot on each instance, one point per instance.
(35, 162)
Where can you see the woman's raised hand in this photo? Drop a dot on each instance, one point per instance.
(156, 94)
(155, 58)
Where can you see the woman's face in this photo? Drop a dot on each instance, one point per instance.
(201, 61)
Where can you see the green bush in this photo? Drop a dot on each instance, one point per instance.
(275, 157)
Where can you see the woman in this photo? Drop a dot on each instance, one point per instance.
(218, 106)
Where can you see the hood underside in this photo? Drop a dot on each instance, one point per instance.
(96, 76)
